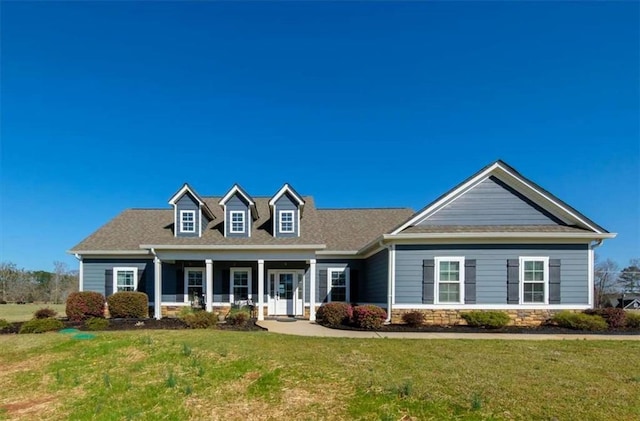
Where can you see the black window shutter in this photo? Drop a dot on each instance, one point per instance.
(180, 284)
(513, 281)
(108, 282)
(353, 287)
(554, 281)
(322, 285)
(470, 281)
(428, 276)
(142, 281)
(226, 281)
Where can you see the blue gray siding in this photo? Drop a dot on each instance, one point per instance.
(491, 269)
(97, 278)
(491, 203)
(356, 269)
(237, 203)
(187, 202)
(286, 202)
(375, 283)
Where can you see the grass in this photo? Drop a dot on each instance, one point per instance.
(24, 312)
(196, 374)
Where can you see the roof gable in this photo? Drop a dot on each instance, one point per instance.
(237, 190)
(186, 189)
(514, 181)
(292, 193)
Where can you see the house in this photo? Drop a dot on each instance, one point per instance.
(496, 241)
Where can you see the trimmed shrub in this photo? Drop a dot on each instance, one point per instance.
(41, 325)
(3, 302)
(85, 304)
(579, 321)
(486, 319)
(334, 314)
(45, 313)
(96, 323)
(128, 305)
(369, 317)
(633, 320)
(413, 318)
(200, 320)
(3, 324)
(615, 317)
(238, 318)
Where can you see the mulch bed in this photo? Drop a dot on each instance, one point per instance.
(140, 324)
(544, 329)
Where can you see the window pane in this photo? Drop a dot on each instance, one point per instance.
(538, 265)
(533, 293)
(449, 293)
(528, 265)
(338, 294)
(338, 279)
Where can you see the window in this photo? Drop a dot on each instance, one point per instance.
(194, 284)
(125, 279)
(187, 221)
(237, 222)
(534, 277)
(338, 279)
(449, 280)
(286, 221)
(240, 284)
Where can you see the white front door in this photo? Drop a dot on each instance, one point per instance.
(286, 289)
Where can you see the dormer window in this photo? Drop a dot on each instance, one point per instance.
(237, 222)
(286, 221)
(187, 221)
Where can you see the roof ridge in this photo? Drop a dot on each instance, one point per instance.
(366, 208)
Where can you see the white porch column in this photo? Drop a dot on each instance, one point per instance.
(260, 289)
(157, 277)
(312, 290)
(209, 287)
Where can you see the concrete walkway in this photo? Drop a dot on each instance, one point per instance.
(307, 328)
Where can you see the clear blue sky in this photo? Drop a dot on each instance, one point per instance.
(107, 106)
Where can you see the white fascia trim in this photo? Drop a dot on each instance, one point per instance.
(199, 220)
(286, 188)
(282, 212)
(110, 252)
(234, 247)
(231, 214)
(517, 235)
(337, 253)
(491, 307)
(299, 226)
(590, 275)
(193, 213)
(235, 189)
(181, 193)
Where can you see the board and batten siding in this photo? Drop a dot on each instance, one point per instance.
(286, 202)
(491, 269)
(95, 274)
(237, 203)
(491, 203)
(187, 203)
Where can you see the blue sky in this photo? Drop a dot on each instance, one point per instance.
(107, 106)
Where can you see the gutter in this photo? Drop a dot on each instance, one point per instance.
(481, 235)
(234, 247)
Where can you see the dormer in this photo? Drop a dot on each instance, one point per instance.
(190, 214)
(239, 212)
(286, 210)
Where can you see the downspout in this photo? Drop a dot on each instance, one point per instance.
(80, 272)
(389, 281)
(592, 274)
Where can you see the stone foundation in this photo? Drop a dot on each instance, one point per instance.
(454, 317)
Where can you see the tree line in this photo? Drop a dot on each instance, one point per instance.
(611, 282)
(20, 285)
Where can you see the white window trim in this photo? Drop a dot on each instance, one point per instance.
(231, 284)
(123, 269)
(436, 278)
(293, 227)
(545, 260)
(347, 283)
(187, 299)
(231, 214)
(193, 215)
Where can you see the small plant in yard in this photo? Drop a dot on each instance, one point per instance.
(200, 320)
(579, 321)
(128, 305)
(3, 324)
(96, 323)
(238, 318)
(334, 314)
(413, 318)
(487, 319)
(369, 317)
(41, 325)
(476, 402)
(633, 320)
(186, 350)
(171, 380)
(45, 313)
(85, 304)
(615, 317)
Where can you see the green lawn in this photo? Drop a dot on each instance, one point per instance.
(23, 312)
(201, 374)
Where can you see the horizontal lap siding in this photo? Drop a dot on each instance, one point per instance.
(285, 202)
(323, 265)
(491, 269)
(375, 282)
(236, 203)
(188, 203)
(94, 274)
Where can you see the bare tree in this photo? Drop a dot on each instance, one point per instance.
(59, 276)
(605, 279)
(9, 275)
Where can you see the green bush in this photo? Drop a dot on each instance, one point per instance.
(3, 324)
(85, 304)
(369, 317)
(486, 319)
(41, 325)
(45, 313)
(128, 305)
(334, 314)
(96, 323)
(615, 317)
(579, 321)
(633, 320)
(200, 319)
(238, 318)
(413, 318)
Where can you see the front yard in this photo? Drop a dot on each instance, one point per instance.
(209, 374)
